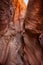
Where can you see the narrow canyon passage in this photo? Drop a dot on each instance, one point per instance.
(21, 32)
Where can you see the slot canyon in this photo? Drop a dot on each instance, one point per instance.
(21, 32)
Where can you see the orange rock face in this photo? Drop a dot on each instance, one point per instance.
(20, 8)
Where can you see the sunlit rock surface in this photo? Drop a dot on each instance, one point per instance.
(20, 9)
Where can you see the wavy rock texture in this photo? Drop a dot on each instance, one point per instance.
(10, 45)
(33, 33)
(18, 45)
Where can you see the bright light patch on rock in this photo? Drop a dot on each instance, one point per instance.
(26, 2)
